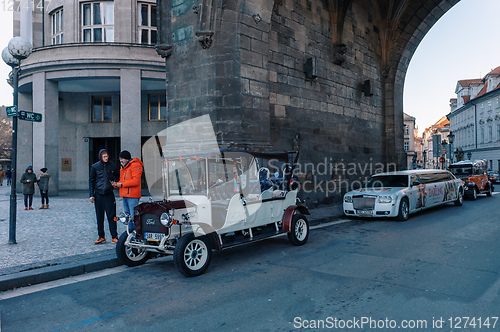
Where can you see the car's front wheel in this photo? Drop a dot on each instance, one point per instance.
(299, 230)
(192, 255)
(130, 256)
(460, 198)
(404, 210)
(489, 192)
(474, 194)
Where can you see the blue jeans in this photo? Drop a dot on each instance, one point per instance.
(129, 204)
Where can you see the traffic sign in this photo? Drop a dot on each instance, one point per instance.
(11, 111)
(30, 116)
(441, 160)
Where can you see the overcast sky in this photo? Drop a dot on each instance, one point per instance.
(463, 44)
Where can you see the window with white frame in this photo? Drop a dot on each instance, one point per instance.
(407, 146)
(97, 21)
(147, 24)
(157, 107)
(101, 109)
(57, 27)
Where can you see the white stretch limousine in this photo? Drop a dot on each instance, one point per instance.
(397, 194)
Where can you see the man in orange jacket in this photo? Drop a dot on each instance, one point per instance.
(130, 181)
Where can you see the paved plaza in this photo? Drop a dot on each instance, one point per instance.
(63, 233)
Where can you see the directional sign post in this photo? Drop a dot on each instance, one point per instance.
(11, 111)
(30, 116)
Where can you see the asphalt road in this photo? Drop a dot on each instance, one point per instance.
(428, 273)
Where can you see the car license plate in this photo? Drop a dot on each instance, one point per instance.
(154, 236)
(367, 213)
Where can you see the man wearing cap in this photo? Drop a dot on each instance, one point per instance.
(130, 181)
(102, 174)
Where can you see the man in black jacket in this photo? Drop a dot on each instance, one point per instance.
(102, 173)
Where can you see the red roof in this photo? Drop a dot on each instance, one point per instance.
(495, 71)
(466, 98)
(465, 83)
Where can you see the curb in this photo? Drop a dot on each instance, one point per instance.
(60, 271)
(51, 273)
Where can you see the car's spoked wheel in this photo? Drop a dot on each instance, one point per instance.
(404, 210)
(130, 256)
(192, 255)
(299, 230)
(474, 194)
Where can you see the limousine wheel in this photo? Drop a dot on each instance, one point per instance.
(192, 255)
(460, 198)
(130, 256)
(299, 231)
(404, 210)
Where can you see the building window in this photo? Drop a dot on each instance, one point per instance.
(498, 132)
(407, 146)
(57, 27)
(101, 109)
(147, 24)
(157, 107)
(407, 130)
(97, 21)
(490, 133)
(482, 135)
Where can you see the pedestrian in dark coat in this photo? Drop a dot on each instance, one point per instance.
(43, 185)
(102, 173)
(8, 175)
(2, 175)
(28, 179)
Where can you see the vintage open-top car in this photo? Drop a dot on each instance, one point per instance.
(214, 200)
(474, 175)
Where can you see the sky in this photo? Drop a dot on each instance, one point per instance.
(463, 44)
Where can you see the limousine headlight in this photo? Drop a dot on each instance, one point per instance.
(348, 199)
(385, 199)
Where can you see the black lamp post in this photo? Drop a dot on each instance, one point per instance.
(451, 139)
(424, 153)
(19, 48)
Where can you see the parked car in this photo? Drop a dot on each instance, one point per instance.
(398, 194)
(474, 175)
(494, 177)
(211, 201)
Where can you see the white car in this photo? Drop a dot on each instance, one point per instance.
(398, 194)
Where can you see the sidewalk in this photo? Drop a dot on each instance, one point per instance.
(58, 242)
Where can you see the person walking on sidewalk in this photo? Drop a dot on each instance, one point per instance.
(2, 175)
(102, 173)
(43, 185)
(28, 179)
(8, 176)
(130, 181)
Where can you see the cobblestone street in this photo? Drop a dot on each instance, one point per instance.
(64, 232)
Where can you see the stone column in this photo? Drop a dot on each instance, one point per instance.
(130, 109)
(24, 139)
(46, 133)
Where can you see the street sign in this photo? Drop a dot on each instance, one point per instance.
(441, 160)
(11, 111)
(30, 116)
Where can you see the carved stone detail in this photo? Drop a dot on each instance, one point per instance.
(205, 38)
(164, 50)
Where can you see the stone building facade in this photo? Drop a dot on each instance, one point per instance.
(475, 119)
(325, 76)
(95, 77)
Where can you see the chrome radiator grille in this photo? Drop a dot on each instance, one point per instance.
(363, 202)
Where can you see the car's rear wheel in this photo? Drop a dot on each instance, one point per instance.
(489, 192)
(460, 198)
(299, 230)
(130, 256)
(404, 210)
(192, 255)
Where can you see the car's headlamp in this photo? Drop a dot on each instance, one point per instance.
(124, 218)
(166, 219)
(385, 199)
(348, 199)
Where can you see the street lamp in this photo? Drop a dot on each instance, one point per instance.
(451, 139)
(19, 48)
(424, 153)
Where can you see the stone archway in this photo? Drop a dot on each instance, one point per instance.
(323, 75)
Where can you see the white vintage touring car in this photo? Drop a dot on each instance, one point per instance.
(398, 194)
(214, 200)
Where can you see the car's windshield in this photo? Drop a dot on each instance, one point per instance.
(458, 171)
(187, 176)
(385, 181)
